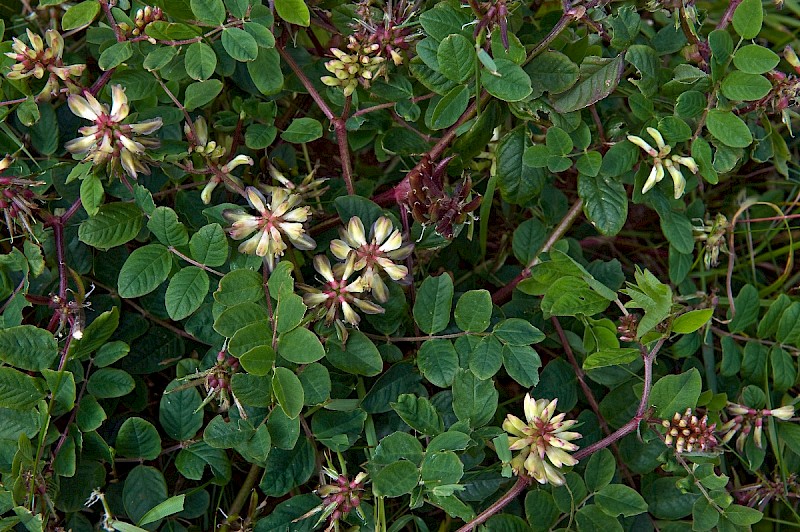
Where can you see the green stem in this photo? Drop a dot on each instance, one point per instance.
(372, 443)
(241, 497)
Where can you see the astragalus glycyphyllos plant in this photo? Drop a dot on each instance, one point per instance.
(399, 265)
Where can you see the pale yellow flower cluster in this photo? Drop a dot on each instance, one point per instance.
(37, 59)
(543, 441)
(361, 65)
(108, 140)
(662, 161)
(280, 216)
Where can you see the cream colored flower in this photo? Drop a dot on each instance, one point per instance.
(361, 65)
(662, 162)
(338, 292)
(277, 218)
(39, 59)
(385, 246)
(108, 140)
(543, 441)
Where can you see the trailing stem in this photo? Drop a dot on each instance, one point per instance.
(641, 413)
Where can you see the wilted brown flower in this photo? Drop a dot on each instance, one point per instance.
(430, 203)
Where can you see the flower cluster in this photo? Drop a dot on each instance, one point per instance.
(338, 294)
(715, 242)
(37, 60)
(393, 33)
(688, 433)
(361, 65)
(311, 187)
(108, 141)
(746, 420)
(17, 200)
(216, 381)
(542, 440)
(199, 142)
(430, 203)
(280, 216)
(662, 161)
(371, 257)
(212, 151)
(143, 17)
(385, 246)
(339, 498)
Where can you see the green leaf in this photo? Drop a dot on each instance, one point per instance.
(300, 346)
(746, 303)
(221, 434)
(651, 295)
(570, 296)
(252, 390)
(178, 412)
(238, 286)
(605, 202)
(261, 34)
(258, 360)
(265, 71)
(456, 57)
(169, 507)
(92, 194)
(676, 393)
(444, 20)
(742, 515)
(138, 438)
(113, 225)
(28, 347)
(110, 382)
(254, 335)
(395, 480)
(144, 270)
(540, 509)
(291, 311)
(518, 182)
(209, 11)
(486, 358)
(721, 45)
(186, 291)
(522, 364)
(450, 107)
(618, 499)
(740, 86)
(600, 470)
(755, 59)
(441, 469)
(159, 58)
(474, 311)
(192, 460)
(729, 128)
(209, 246)
(437, 360)
(592, 88)
(510, 84)
(589, 163)
(166, 227)
(419, 414)
(288, 391)
(590, 518)
(293, 12)
(747, 18)
(784, 373)
(433, 304)
(238, 317)
(691, 321)
(678, 230)
(201, 92)
(145, 488)
(302, 130)
(200, 61)
(359, 356)
(18, 391)
(316, 381)
(259, 136)
(474, 400)
(552, 72)
(239, 44)
(62, 387)
(79, 15)
(610, 357)
(115, 55)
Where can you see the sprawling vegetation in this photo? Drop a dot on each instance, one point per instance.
(394, 265)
